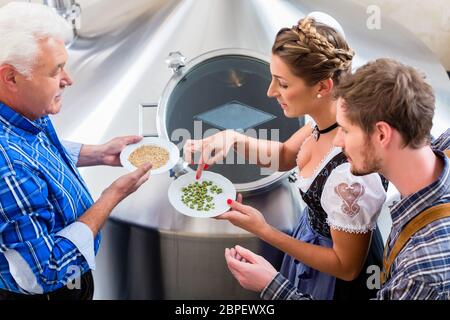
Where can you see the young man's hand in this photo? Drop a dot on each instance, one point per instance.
(252, 271)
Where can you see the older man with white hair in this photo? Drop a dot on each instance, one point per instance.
(49, 224)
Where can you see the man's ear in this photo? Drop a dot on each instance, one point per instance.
(8, 77)
(383, 133)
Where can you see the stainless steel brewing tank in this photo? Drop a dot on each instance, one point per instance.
(222, 89)
(148, 250)
(219, 90)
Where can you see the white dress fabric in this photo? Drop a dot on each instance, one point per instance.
(352, 203)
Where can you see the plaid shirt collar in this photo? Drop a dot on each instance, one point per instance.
(18, 124)
(14, 120)
(409, 207)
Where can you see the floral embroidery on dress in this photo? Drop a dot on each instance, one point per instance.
(350, 196)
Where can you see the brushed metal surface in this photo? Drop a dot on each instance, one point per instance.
(117, 63)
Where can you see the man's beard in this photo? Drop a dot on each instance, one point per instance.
(370, 164)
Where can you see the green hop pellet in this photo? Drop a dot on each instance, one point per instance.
(200, 196)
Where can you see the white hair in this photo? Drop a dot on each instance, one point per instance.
(22, 25)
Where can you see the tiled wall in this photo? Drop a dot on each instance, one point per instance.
(429, 20)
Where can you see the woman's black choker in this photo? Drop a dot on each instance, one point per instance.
(317, 132)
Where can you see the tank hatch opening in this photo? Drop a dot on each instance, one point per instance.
(235, 115)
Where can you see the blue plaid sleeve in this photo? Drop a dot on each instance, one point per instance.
(408, 289)
(281, 289)
(39, 259)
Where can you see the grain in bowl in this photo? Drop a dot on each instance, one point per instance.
(157, 156)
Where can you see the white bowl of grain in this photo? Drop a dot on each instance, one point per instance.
(162, 153)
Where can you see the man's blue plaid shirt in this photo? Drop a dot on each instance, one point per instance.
(42, 195)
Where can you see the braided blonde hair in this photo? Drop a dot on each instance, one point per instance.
(314, 51)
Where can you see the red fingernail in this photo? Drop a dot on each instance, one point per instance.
(229, 201)
(206, 167)
(197, 177)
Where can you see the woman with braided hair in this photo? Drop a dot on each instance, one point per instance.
(336, 236)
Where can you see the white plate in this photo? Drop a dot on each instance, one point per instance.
(174, 153)
(219, 200)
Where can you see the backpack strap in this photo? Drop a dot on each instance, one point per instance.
(418, 223)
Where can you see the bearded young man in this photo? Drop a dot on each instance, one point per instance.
(385, 112)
